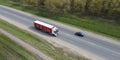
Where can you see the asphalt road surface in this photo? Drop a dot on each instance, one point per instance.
(95, 45)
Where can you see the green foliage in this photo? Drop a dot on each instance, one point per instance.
(78, 6)
(106, 8)
(57, 5)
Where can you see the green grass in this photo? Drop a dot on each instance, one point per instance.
(9, 50)
(93, 24)
(56, 53)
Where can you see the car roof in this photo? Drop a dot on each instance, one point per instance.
(78, 32)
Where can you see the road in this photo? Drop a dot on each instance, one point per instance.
(93, 44)
(27, 46)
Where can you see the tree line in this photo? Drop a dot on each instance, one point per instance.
(103, 8)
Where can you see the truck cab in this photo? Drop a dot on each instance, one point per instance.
(55, 31)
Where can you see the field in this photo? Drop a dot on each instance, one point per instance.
(9, 50)
(94, 24)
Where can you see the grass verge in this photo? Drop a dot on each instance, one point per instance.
(93, 24)
(56, 53)
(9, 50)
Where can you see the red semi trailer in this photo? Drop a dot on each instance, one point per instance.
(46, 27)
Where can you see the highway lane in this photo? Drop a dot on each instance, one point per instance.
(106, 50)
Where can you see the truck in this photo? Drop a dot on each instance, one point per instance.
(46, 27)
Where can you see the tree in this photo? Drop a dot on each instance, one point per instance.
(58, 5)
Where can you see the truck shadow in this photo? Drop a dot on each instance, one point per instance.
(40, 31)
